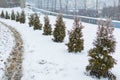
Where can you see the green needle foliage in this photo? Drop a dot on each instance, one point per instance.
(17, 17)
(22, 17)
(101, 61)
(2, 14)
(59, 30)
(75, 37)
(37, 24)
(47, 27)
(7, 15)
(31, 20)
(12, 15)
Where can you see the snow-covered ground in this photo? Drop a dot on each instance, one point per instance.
(44, 59)
(6, 45)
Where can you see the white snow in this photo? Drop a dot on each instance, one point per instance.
(6, 45)
(44, 59)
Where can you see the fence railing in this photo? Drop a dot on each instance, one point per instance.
(82, 18)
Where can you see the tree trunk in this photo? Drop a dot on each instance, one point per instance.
(119, 10)
(52, 7)
(55, 5)
(41, 4)
(47, 4)
(96, 8)
(44, 5)
(66, 6)
(60, 6)
(75, 13)
(85, 7)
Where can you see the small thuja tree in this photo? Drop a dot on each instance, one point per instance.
(22, 17)
(7, 15)
(47, 27)
(59, 30)
(17, 17)
(37, 24)
(101, 61)
(2, 14)
(31, 20)
(12, 15)
(76, 41)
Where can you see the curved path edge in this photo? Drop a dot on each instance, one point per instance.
(13, 66)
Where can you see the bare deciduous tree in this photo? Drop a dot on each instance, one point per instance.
(96, 8)
(66, 6)
(85, 6)
(60, 6)
(47, 2)
(75, 7)
(41, 2)
(52, 7)
(44, 4)
(55, 4)
(119, 10)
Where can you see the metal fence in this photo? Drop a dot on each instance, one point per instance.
(91, 20)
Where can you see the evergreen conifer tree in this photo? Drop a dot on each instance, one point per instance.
(12, 15)
(7, 15)
(47, 27)
(22, 17)
(2, 14)
(75, 37)
(31, 20)
(101, 61)
(17, 17)
(59, 30)
(37, 24)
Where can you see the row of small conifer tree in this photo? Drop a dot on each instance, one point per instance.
(59, 30)
(100, 61)
(19, 17)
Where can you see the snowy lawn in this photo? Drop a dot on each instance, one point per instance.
(48, 60)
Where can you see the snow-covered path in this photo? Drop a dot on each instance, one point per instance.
(13, 66)
(6, 45)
